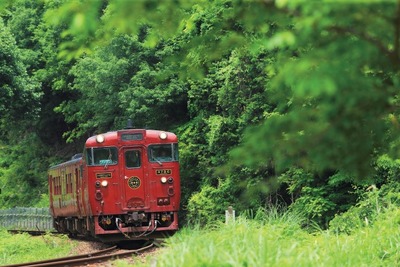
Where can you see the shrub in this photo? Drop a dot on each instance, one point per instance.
(365, 212)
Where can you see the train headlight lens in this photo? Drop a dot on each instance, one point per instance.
(100, 138)
(163, 180)
(104, 183)
(163, 135)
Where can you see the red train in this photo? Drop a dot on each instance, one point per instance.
(125, 186)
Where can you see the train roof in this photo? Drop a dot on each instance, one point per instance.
(123, 137)
(128, 136)
(75, 159)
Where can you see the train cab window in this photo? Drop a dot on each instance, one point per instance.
(163, 153)
(132, 159)
(101, 156)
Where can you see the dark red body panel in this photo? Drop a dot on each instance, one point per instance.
(65, 188)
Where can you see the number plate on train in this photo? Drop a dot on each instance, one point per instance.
(164, 172)
(103, 175)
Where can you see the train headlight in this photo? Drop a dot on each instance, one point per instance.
(163, 180)
(100, 138)
(104, 183)
(163, 135)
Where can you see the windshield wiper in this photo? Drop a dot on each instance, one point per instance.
(108, 160)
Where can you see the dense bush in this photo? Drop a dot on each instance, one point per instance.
(368, 209)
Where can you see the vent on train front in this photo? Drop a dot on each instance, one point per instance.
(129, 124)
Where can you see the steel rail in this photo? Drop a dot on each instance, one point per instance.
(78, 260)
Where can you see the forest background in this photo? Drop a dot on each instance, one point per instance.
(287, 103)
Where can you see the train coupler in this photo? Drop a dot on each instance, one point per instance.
(137, 217)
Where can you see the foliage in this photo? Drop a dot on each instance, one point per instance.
(124, 80)
(319, 196)
(24, 177)
(372, 205)
(320, 117)
(221, 106)
(244, 190)
(37, 43)
(44, 201)
(19, 93)
(208, 206)
(387, 169)
(19, 248)
(33, 84)
(308, 44)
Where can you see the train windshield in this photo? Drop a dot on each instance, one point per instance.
(101, 156)
(132, 158)
(163, 153)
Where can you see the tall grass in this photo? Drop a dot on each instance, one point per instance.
(19, 248)
(263, 238)
(280, 241)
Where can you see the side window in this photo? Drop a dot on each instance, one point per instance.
(89, 156)
(132, 159)
(102, 156)
(162, 153)
(175, 151)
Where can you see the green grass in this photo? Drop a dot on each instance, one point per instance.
(19, 248)
(268, 239)
(282, 242)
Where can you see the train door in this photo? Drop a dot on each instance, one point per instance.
(135, 183)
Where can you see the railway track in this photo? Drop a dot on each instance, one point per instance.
(84, 259)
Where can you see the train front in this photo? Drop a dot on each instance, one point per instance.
(133, 184)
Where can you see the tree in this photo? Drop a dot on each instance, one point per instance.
(335, 88)
(33, 83)
(18, 92)
(318, 117)
(124, 80)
